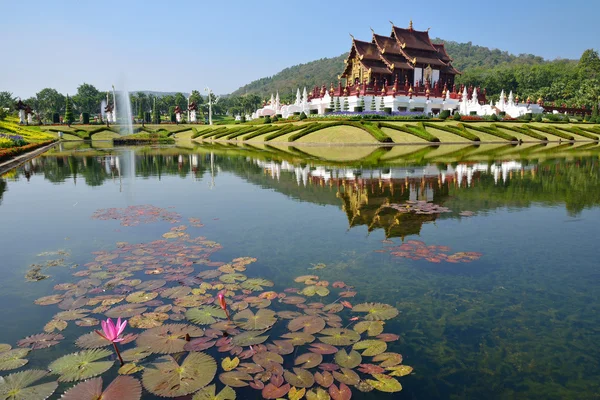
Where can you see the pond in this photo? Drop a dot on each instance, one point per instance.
(475, 267)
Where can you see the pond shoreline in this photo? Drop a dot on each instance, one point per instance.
(21, 158)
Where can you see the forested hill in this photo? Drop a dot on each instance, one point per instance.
(326, 70)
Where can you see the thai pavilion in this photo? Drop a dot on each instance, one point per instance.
(403, 72)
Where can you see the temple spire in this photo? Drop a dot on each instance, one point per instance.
(410, 26)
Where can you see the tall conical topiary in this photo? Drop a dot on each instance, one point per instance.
(373, 105)
(68, 112)
(337, 104)
(362, 102)
(155, 114)
(346, 106)
(331, 103)
(140, 112)
(382, 104)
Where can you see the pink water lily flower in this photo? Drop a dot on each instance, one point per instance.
(112, 331)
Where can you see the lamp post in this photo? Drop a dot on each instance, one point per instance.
(210, 103)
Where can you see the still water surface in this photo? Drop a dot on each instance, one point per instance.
(520, 321)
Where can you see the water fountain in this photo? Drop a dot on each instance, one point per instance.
(123, 116)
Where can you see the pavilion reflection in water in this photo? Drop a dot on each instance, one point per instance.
(366, 193)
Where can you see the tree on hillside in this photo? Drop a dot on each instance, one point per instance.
(180, 101)
(87, 99)
(7, 100)
(589, 75)
(49, 102)
(68, 112)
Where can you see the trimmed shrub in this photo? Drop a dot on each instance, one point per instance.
(539, 118)
(314, 112)
(473, 113)
(297, 113)
(373, 130)
(68, 111)
(503, 113)
(456, 117)
(267, 120)
(358, 109)
(387, 110)
(262, 130)
(275, 118)
(85, 118)
(328, 110)
(524, 130)
(243, 119)
(173, 118)
(494, 117)
(302, 116)
(553, 131)
(418, 131)
(55, 118)
(346, 106)
(444, 114)
(493, 132)
(284, 131)
(453, 129)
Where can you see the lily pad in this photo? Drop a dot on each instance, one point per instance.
(123, 387)
(148, 320)
(299, 378)
(167, 378)
(282, 347)
(81, 365)
(72, 315)
(175, 292)
(347, 360)
(256, 284)
(126, 311)
(315, 290)
(249, 338)
(296, 394)
(232, 278)
(385, 383)
(308, 323)
(264, 358)
(400, 370)
(18, 386)
(388, 359)
(205, 315)
(263, 319)
(41, 340)
(209, 393)
(168, 339)
(309, 360)
(323, 348)
(343, 393)
(317, 394)
(347, 376)
(376, 311)
(299, 338)
(130, 369)
(271, 391)
(373, 328)
(48, 300)
(228, 364)
(136, 354)
(151, 284)
(4, 347)
(92, 341)
(235, 378)
(12, 359)
(141, 297)
(324, 379)
(371, 347)
(339, 336)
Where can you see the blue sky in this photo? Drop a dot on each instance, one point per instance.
(185, 45)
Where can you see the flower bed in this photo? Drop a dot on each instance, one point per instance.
(7, 141)
(11, 152)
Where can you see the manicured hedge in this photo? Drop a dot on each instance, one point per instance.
(284, 131)
(243, 131)
(418, 131)
(552, 131)
(371, 129)
(11, 152)
(523, 130)
(264, 129)
(455, 130)
(579, 131)
(198, 133)
(489, 131)
(213, 132)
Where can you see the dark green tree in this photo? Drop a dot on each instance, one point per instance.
(68, 112)
(7, 100)
(50, 102)
(155, 114)
(87, 99)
